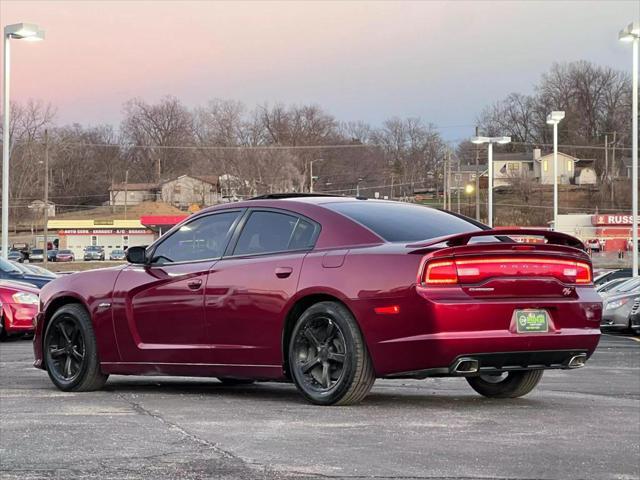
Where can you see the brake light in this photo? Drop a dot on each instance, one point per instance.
(441, 273)
(476, 270)
(583, 274)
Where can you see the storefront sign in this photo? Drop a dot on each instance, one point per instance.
(611, 219)
(105, 231)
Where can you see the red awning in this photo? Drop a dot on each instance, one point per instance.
(161, 220)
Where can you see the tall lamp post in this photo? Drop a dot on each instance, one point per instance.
(311, 177)
(554, 119)
(632, 34)
(17, 31)
(490, 141)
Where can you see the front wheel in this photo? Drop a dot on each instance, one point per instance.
(70, 351)
(328, 358)
(506, 385)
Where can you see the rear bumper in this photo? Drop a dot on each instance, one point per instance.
(491, 363)
(431, 333)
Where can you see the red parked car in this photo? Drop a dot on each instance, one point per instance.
(330, 293)
(18, 307)
(65, 256)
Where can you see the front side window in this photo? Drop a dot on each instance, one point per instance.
(267, 232)
(202, 239)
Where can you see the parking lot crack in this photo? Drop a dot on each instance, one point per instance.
(137, 407)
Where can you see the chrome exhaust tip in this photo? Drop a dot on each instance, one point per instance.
(466, 365)
(577, 361)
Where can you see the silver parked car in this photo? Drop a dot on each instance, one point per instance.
(94, 253)
(617, 304)
(117, 255)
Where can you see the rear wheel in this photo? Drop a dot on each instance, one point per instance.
(506, 385)
(328, 358)
(70, 351)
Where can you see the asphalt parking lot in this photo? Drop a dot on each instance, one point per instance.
(577, 424)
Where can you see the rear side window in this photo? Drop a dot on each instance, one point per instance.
(267, 232)
(402, 222)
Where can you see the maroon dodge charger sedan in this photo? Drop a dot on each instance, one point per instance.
(330, 293)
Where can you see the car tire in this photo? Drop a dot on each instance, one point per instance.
(328, 358)
(232, 382)
(70, 351)
(513, 385)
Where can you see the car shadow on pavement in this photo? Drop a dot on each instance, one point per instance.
(287, 393)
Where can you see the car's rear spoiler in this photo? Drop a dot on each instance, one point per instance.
(556, 238)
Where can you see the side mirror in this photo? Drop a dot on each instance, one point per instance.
(137, 255)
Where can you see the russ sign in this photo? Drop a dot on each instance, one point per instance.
(612, 219)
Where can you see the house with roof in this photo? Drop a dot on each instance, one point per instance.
(187, 190)
(508, 167)
(132, 193)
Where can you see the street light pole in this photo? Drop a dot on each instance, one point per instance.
(311, 162)
(45, 257)
(18, 31)
(632, 34)
(490, 141)
(554, 119)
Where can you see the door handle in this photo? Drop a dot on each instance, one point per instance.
(194, 284)
(283, 272)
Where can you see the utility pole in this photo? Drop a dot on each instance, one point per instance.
(45, 257)
(458, 178)
(310, 176)
(477, 178)
(444, 182)
(126, 191)
(613, 166)
(449, 178)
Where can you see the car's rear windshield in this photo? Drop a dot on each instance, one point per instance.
(65, 252)
(403, 222)
(37, 251)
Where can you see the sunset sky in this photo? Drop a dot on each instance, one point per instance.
(368, 61)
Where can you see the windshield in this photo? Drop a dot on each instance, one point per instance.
(627, 286)
(8, 267)
(403, 222)
(65, 252)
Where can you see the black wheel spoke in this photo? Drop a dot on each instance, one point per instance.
(309, 364)
(56, 352)
(336, 357)
(67, 367)
(324, 379)
(64, 333)
(76, 354)
(330, 332)
(312, 338)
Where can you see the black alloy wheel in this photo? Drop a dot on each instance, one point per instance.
(65, 349)
(328, 358)
(70, 351)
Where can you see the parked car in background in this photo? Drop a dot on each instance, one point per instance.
(117, 255)
(593, 244)
(617, 305)
(329, 293)
(51, 255)
(65, 256)
(18, 307)
(93, 253)
(15, 256)
(10, 271)
(634, 317)
(23, 248)
(612, 275)
(35, 269)
(605, 287)
(37, 255)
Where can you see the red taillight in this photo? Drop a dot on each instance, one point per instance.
(583, 275)
(441, 273)
(476, 270)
